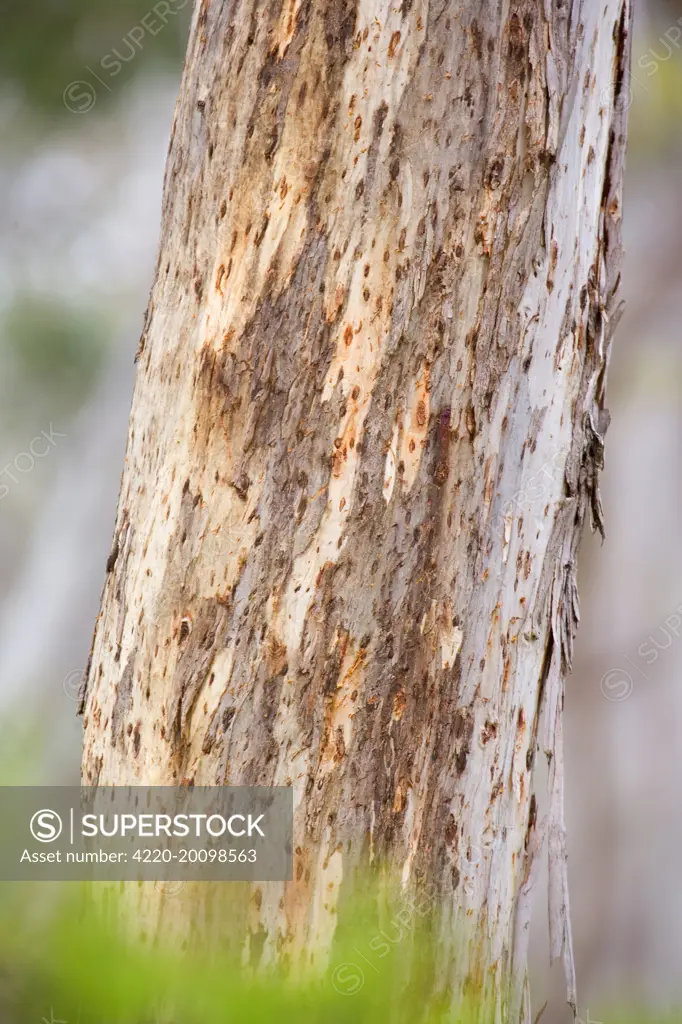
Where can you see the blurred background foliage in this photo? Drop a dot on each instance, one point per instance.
(54, 339)
(67, 962)
(656, 101)
(81, 173)
(87, 89)
(72, 961)
(45, 43)
(56, 347)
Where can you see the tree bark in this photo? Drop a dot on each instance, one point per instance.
(365, 436)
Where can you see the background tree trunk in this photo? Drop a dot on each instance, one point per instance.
(366, 433)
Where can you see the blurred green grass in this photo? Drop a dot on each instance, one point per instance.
(57, 953)
(60, 961)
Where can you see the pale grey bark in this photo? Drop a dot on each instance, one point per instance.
(366, 434)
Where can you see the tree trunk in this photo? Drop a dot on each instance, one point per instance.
(366, 433)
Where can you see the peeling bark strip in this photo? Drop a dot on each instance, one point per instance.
(385, 295)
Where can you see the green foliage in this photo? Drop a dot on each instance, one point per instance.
(59, 960)
(67, 960)
(47, 44)
(55, 350)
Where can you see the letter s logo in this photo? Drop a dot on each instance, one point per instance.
(46, 826)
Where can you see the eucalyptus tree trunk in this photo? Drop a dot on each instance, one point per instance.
(365, 437)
